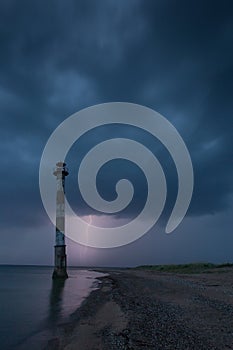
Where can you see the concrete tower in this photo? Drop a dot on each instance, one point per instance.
(60, 248)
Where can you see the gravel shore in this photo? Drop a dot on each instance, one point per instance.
(139, 309)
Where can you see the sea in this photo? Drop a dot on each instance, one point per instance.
(32, 305)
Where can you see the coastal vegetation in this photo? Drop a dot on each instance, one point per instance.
(187, 268)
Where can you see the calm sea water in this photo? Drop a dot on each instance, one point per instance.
(31, 304)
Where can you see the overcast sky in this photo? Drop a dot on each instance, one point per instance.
(176, 57)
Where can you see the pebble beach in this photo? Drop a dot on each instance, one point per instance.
(143, 309)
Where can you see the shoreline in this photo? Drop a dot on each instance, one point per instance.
(60, 309)
(86, 311)
(136, 309)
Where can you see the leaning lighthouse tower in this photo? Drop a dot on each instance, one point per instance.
(60, 248)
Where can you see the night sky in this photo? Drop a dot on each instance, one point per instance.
(176, 57)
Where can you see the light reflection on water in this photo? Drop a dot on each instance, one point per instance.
(67, 293)
(30, 301)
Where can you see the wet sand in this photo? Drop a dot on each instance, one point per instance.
(139, 309)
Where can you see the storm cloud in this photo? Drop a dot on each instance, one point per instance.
(58, 57)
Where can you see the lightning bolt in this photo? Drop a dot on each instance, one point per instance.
(88, 225)
(84, 249)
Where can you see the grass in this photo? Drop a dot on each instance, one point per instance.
(185, 268)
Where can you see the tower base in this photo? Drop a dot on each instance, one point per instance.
(59, 273)
(60, 262)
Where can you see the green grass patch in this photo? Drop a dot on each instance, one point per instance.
(185, 268)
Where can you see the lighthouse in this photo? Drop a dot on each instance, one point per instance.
(60, 248)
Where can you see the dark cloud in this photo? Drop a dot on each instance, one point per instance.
(58, 57)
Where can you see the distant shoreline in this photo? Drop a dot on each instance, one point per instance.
(186, 268)
(158, 267)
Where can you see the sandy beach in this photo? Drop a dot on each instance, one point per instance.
(140, 309)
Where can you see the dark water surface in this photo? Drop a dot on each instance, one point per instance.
(30, 302)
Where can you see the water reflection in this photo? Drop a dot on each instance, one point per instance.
(56, 301)
(65, 296)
